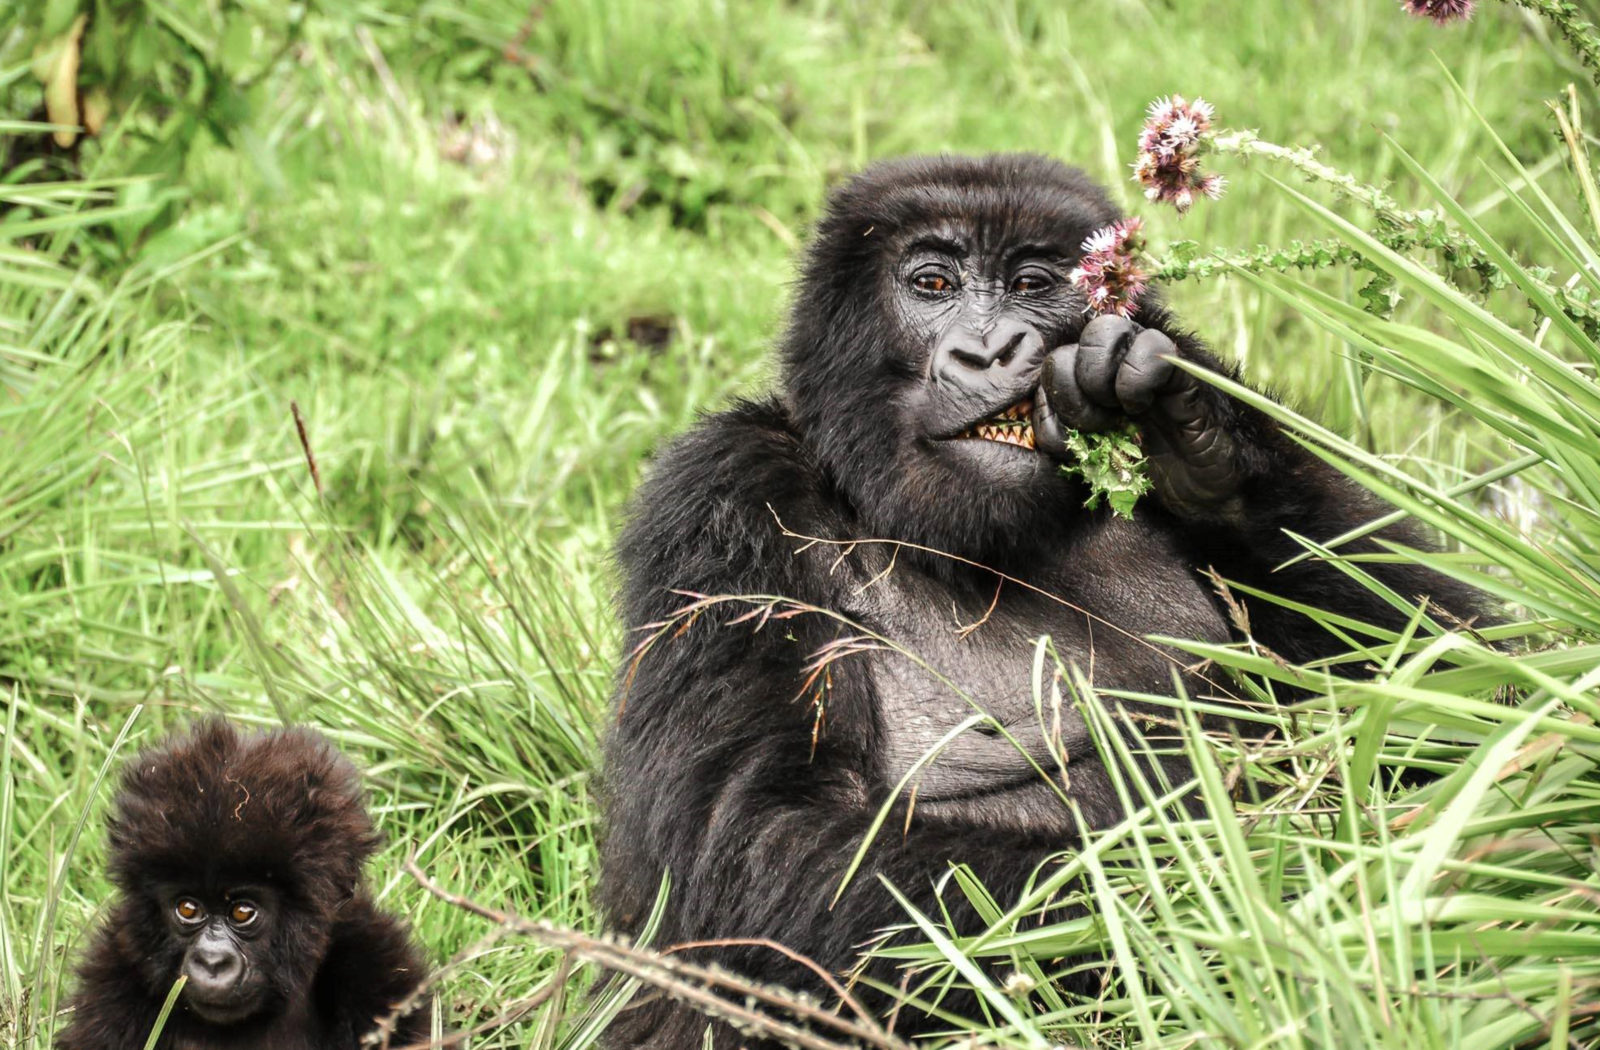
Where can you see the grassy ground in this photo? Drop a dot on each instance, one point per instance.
(496, 257)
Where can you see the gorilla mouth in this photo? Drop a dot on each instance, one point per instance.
(227, 1008)
(1010, 426)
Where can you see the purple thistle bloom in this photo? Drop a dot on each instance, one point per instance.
(1441, 11)
(1168, 166)
(1109, 274)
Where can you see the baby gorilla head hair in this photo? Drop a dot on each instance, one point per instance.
(932, 293)
(232, 853)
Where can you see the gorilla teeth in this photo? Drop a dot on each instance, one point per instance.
(1021, 437)
(1011, 426)
(1021, 410)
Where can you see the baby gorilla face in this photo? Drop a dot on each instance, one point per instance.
(224, 939)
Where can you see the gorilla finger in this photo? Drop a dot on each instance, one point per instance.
(1066, 397)
(1101, 348)
(1049, 435)
(1147, 372)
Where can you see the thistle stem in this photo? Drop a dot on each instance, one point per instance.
(1297, 255)
(1400, 228)
(1579, 32)
(1245, 143)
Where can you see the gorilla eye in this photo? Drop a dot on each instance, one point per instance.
(243, 913)
(933, 283)
(188, 910)
(1031, 282)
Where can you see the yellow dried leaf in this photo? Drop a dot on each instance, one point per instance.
(61, 80)
(96, 108)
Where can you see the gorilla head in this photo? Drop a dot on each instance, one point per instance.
(233, 854)
(933, 292)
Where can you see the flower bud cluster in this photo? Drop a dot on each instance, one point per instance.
(1110, 274)
(1169, 153)
(1441, 11)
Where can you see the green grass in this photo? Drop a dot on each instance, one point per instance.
(442, 609)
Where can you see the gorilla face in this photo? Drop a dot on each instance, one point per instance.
(242, 943)
(983, 318)
(934, 290)
(225, 940)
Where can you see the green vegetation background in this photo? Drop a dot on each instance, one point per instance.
(497, 254)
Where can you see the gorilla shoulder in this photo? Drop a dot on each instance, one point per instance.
(706, 516)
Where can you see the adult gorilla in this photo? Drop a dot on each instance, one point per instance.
(935, 350)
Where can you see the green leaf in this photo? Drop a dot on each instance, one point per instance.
(237, 45)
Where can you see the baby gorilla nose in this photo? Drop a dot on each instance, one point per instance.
(214, 968)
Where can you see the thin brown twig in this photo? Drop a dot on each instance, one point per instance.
(305, 446)
(963, 631)
(379, 1036)
(1090, 617)
(515, 50)
(696, 985)
(793, 956)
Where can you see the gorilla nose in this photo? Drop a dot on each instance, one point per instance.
(215, 968)
(963, 352)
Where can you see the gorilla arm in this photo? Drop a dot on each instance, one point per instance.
(371, 967)
(1233, 480)
(713, 772)
(111, 1012)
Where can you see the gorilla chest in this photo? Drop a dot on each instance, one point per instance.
(276, 1038)
(966, 700)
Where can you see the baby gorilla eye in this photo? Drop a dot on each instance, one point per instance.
(935, 283)
(187, 909)
(243, 913)
(1031, 282)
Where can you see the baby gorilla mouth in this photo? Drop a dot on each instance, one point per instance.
(1010, 426)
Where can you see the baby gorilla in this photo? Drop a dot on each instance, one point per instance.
(238, 863)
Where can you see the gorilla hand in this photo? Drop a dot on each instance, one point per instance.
(1118, 370)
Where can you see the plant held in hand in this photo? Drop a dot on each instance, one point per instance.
(1110, 274)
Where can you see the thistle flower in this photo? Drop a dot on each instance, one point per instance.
(1441, 11)
(1169, 144)
(1174, 125)
(1109, 273)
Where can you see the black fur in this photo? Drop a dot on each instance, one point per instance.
(721, 769)
(215, 808)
